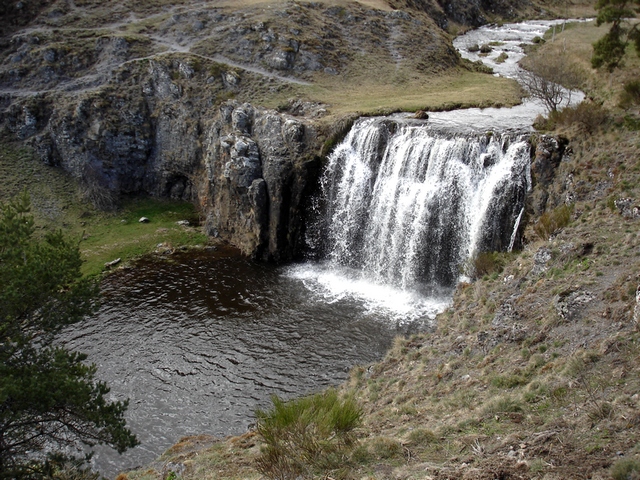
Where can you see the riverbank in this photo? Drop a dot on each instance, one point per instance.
(103, 236)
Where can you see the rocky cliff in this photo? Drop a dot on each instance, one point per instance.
(258, 166)
(246, 167)
(133, 97)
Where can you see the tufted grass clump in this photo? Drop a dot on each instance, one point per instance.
(626, 469)
(487, 263)
(503, 404)
(550, 222)
(308, 435)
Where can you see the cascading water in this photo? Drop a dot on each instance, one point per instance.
(407, 207)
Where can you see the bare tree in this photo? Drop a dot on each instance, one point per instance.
(551, 78)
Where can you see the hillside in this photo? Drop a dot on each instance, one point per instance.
(126, 97)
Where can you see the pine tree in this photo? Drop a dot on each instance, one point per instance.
(50, 401)
(610, 49)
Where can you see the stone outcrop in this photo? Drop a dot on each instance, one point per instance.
(547, 155)
(163, 134)
(258, 165)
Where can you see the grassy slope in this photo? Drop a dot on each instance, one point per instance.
(105, 236)
(510, 385)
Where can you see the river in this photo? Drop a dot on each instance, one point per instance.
(198, 340)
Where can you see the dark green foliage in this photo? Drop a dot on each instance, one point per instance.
(49, 398)
(307, 435)
(609, 50)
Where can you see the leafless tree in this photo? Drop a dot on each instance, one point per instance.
(551, 78)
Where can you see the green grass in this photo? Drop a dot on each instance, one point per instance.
(393, 92)
(307, 435)
(103, 236)
(121, 235)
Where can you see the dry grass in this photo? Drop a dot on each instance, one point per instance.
(577, 40)
(455, 88)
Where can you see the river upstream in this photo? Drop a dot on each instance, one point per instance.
(198, 341)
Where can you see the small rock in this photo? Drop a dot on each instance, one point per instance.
(183, 223)
(636, 308)
(540, 260)
(112, 263)
(627, 207)
(569, 304)
(143, 220)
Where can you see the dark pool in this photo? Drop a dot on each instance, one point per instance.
(197, 341)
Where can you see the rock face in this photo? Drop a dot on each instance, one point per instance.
(258, 165)
(548, 154)
(465, 12)
(163, 134)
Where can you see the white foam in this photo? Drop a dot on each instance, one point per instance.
(332, 285)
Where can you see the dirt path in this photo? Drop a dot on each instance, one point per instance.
(102, 73)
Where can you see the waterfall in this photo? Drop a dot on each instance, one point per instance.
(407, 206)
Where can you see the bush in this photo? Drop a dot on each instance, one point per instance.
(487, 263)
(307, 435)
(551, 222)
(587, 116)
(626, 469)
(631, 94)
(544, 77)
